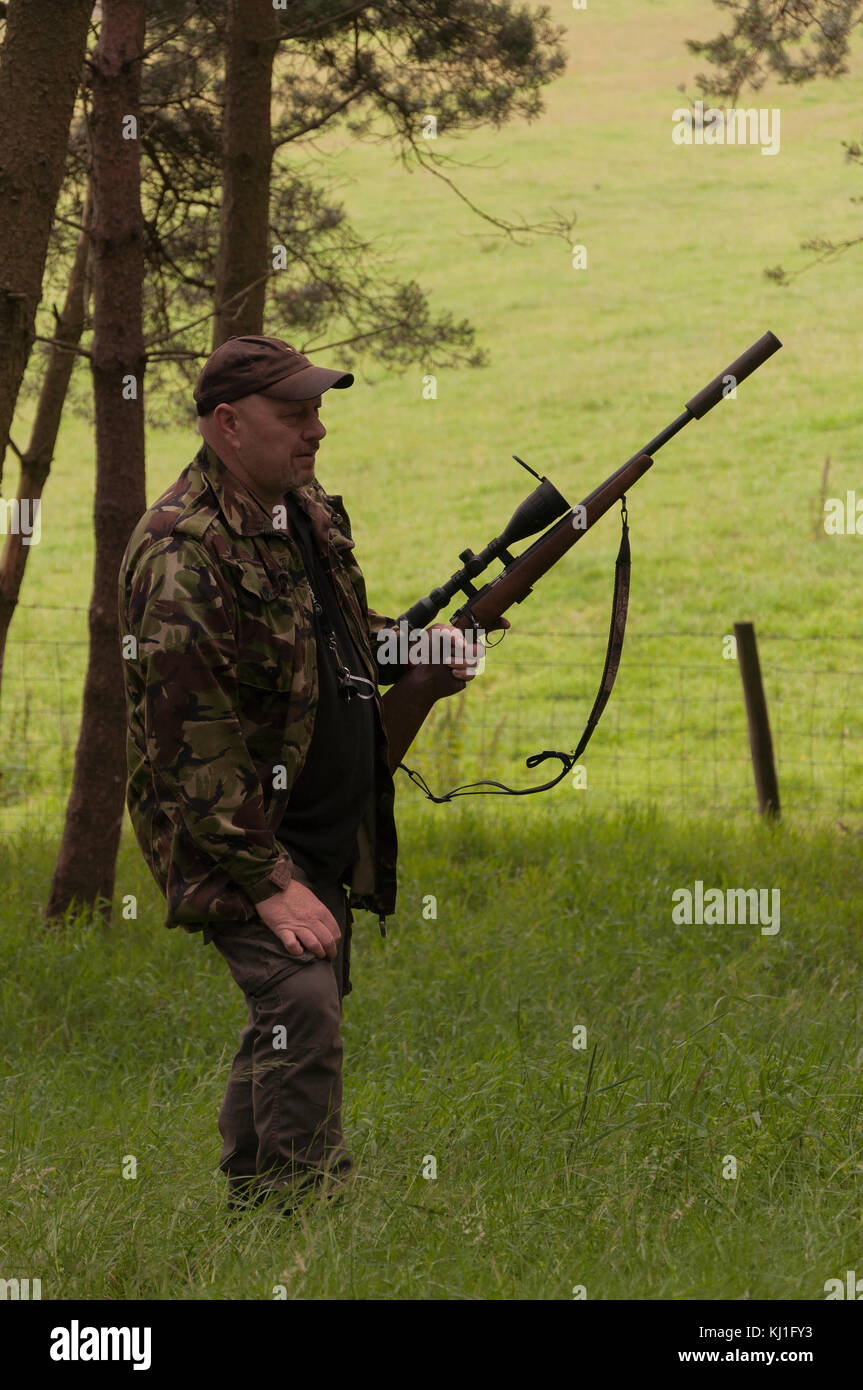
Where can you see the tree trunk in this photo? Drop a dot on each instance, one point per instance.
(36, 460)
(40, 71)
(94, 816)
(243, 259)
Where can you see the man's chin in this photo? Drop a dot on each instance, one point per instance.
(301, 475)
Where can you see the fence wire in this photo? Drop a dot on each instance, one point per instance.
(674, 733)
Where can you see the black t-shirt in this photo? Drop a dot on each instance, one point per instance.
(327, 800)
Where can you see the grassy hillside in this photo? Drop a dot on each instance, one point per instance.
(586, 365)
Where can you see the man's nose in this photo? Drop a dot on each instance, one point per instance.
(314, 430)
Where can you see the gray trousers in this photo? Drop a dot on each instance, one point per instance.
(281, 1121)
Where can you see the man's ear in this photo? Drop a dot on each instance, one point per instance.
(225, 418)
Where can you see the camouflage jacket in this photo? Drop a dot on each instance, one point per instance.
(220, 669)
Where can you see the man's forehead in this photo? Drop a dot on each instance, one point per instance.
(290, 405)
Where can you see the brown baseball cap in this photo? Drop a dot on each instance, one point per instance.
(261, 366)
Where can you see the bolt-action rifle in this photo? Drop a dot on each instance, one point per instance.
(409, 700)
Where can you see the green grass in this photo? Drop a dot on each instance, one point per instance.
(556, 1167)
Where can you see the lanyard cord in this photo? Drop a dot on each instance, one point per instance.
(348, 684)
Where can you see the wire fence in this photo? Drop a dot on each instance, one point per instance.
(674, 733)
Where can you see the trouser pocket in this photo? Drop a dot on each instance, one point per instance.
(258, 960)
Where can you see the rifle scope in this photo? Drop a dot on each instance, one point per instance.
(538, 510)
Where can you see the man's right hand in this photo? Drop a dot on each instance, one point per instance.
(300, 921)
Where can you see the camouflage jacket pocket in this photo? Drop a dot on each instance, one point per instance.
(273, 630)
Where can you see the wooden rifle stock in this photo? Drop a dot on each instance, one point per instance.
(407, 703)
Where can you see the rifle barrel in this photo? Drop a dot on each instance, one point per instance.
(664, 435)
(716, 390)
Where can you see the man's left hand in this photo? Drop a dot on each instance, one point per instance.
(465, 656)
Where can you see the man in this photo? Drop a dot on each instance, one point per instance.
(258, 785)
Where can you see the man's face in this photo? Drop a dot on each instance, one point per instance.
(274, 441)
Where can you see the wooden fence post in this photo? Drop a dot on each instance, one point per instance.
(760, 742)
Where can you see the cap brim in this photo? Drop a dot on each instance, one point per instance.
(305, 385)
